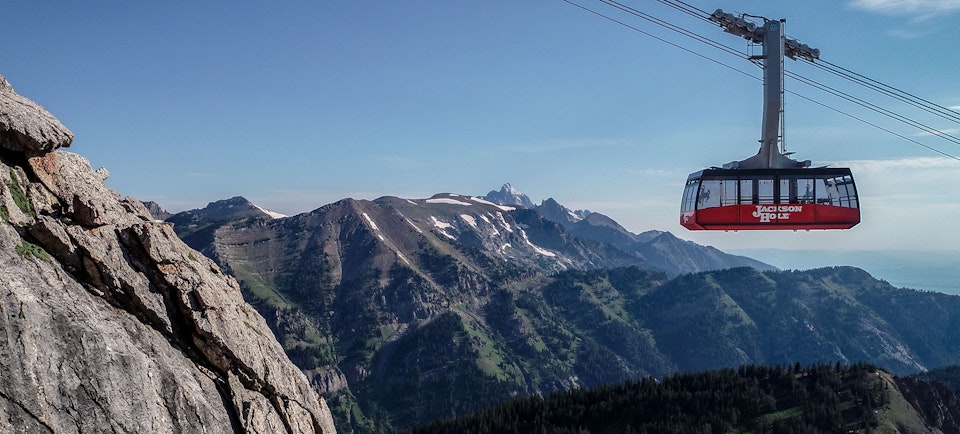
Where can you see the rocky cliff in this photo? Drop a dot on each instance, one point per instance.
(108, 322)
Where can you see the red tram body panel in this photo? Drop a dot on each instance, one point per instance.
(770, 199)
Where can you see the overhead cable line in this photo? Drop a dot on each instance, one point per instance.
(902, 96)
(948, 155)
(688, 9)
(675, 45)
(874, 107)
(939, 108)
(844, 72)
(672, 27)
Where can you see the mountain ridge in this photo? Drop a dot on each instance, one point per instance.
(660, 249)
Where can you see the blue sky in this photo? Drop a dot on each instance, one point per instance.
(296, 104)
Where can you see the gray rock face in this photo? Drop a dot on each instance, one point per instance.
(109, 323)
(27, 127)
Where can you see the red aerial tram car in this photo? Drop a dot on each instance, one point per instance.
(744, 199)
(769, 190)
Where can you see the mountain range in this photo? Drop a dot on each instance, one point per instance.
(548, 237)
(402, 311)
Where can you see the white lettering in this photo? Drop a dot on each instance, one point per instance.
(766, 213)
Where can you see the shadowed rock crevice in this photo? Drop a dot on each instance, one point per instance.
(26, 411)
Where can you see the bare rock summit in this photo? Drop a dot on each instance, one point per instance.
(25, 126)
(109, 323)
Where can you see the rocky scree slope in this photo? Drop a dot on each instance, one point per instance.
(108, 322)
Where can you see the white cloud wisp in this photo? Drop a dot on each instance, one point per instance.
(915, 8)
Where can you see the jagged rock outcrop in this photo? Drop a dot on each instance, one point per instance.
(25, 126)
(156, 211)
(108, 322)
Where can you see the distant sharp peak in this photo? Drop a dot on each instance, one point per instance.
(549, 208)
(509, 187)
(508, 195)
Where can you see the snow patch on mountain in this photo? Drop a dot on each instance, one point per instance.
(470, 221)
(447, 201)
(442, 226)
(493, 228)
(373, 226)
(535, 247)
(274, 215)
(479, 200)
(370, 221)
(410, 222)
(503, 222)
(487, 202)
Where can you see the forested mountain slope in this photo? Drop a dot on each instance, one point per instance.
(760, 399)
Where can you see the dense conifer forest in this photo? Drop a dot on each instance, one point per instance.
(758, 399)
